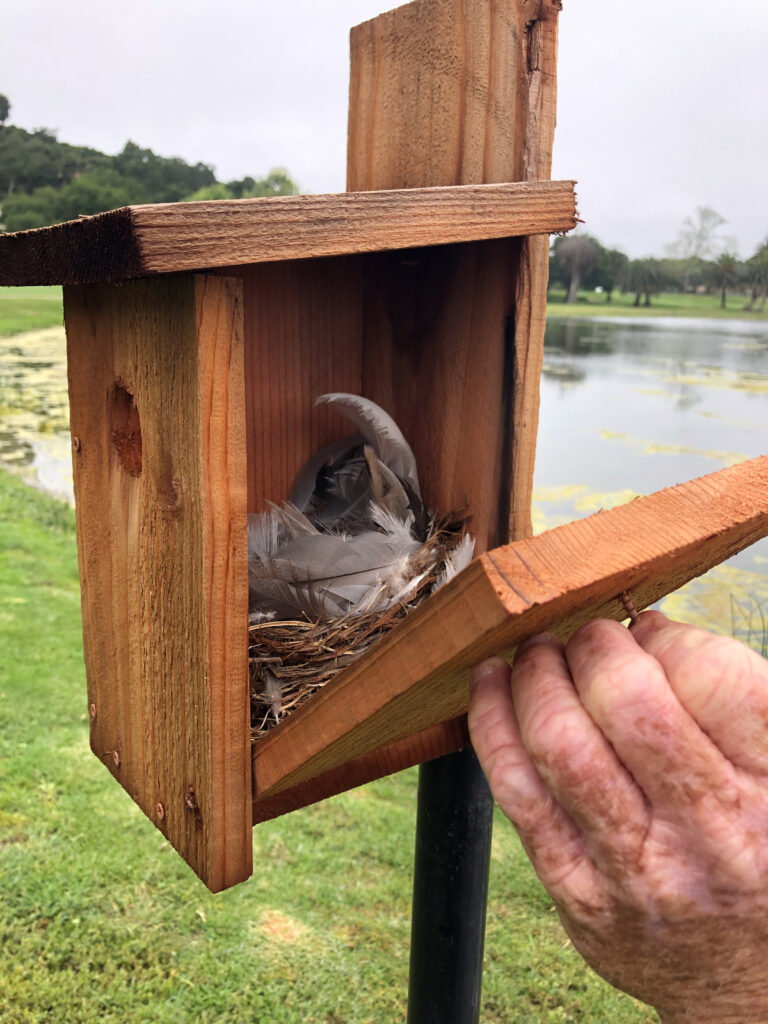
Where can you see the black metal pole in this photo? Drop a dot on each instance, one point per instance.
(450, 891)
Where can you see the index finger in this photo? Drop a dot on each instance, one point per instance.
(718, 680)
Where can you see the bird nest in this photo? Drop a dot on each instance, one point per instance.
(289, 661)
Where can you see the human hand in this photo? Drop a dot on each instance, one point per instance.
(634, 765)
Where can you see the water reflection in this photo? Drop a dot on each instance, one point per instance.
(34, 409)
(631, 406)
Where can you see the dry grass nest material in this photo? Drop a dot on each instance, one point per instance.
(303, 656)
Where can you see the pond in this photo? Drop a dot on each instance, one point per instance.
(34, 409)
(627, 407)
(631, 406)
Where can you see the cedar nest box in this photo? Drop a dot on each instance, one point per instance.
(198, 337)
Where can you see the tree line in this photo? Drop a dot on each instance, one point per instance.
(701, 259)
(44, 181)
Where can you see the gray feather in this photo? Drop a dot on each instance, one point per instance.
(306, 478)
(324, 575)
(345, 542)
(380, 431)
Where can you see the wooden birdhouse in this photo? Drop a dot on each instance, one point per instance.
(199, 336)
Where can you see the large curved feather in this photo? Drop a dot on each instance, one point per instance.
(381, 432)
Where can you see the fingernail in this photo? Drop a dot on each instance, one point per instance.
(486, 668)
(646, 623)
(539, 640)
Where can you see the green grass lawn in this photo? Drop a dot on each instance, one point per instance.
(666, 304)
(101, 921)
(27, 309)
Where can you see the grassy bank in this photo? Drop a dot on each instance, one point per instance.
(666, 304)
(100, 921)
(27, 309)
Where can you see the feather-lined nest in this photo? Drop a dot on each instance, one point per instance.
(342, 562)
(290, 660)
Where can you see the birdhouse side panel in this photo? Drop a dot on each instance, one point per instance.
(157, 417)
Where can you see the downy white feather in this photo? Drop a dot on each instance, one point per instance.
(273, 691)
(263, 536)
(456, 560)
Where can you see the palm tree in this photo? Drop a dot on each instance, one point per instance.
(726, 268)
(756, 269)
(577, 255)
(644, 277)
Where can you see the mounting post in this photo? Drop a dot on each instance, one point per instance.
(450, 891)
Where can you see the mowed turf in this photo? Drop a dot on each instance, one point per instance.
(674, 304)
(27, 309)
(101, 921)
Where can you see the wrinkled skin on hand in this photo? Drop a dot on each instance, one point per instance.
(634, 765)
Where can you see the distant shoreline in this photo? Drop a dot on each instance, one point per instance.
(668, 304)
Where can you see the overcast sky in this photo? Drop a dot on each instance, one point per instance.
(662, 103)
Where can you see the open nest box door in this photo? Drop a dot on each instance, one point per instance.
(199, 336)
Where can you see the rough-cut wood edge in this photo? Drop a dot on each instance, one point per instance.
(93, 250)
(541, 31)
(417, 677)
(141, 240)
(224, 574)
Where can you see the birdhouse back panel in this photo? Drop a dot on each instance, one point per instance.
(428, 334)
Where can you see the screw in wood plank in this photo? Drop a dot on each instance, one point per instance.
(160, 811)
(116, 758)
(629, 606)
(76, 444)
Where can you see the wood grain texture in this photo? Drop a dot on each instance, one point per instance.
(438, 95)
(157, 408)
(141, 240)
(447, 92)
(418, 676)
(303, 338)
(540, 45)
